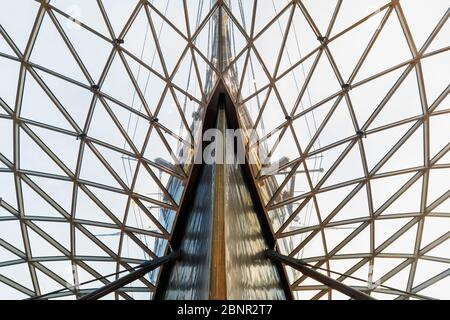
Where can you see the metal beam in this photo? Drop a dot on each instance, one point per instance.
(307, 271)
(141, 271)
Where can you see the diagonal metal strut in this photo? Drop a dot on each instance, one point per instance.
(330, 282)
(141, 271)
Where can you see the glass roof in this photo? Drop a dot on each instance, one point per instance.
(101, 103)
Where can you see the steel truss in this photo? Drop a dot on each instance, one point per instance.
(238, 66)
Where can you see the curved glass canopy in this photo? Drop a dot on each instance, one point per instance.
(101, 102)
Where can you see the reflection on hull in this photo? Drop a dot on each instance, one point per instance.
(249, 274)
(223, 244)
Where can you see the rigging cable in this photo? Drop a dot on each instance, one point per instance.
(139, 222)
(317, 163)
(252, 70)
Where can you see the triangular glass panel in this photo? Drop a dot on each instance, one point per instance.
(408, 202)
(356, 207)
(59, 59)
(8, 89)
(34, 158)
(141, 44)
(269, 43)
(19, 33)
(92, 169)
(87, 12)
(37, 106)
(389, 50)
(40, 247)
(35, 205)
(119, 12)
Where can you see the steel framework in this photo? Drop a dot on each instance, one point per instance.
(97, 126)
